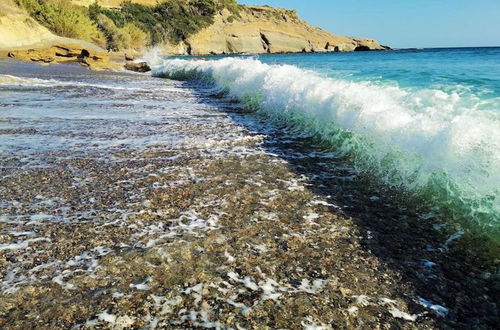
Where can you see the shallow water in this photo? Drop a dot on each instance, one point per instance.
(129, 200)
(427, 121)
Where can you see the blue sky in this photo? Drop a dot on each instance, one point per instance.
(404, 23)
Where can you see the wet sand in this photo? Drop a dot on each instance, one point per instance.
(175, 209)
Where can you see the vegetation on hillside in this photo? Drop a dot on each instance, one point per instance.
(127, 37)
(170, 20)
(64, 19)
(133, 26)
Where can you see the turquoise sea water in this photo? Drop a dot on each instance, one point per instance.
(425, 121)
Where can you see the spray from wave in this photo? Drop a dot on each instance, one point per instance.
(440, 146)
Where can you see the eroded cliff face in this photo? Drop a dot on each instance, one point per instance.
(261, 29)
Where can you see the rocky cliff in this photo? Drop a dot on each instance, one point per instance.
(262, 29)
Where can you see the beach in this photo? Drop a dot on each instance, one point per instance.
(130, 201)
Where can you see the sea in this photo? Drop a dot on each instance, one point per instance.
(324, 190)
(426, 121)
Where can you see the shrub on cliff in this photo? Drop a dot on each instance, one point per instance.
(231, 5)
(171, 20)
(137, 38)
(63, 19)
(127, 37)
(181, 19)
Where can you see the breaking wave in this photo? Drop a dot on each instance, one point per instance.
(441, 145)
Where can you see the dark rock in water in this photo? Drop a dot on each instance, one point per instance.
(11, 55)
(137, 67)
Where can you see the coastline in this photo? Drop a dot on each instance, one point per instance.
(97, 60)
(301, 259)
(31, 31)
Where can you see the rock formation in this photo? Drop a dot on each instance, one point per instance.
(137, 66)
(262, 29)
(66, 53)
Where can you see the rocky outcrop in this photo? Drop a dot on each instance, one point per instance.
(137, 66)
(22, 38)
(67, 53)
(262, 29)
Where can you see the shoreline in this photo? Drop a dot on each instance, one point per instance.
(49, 53)
(287, 236)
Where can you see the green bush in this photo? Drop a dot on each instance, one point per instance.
(138, 38)
(127, 37)
(114, 38)
(63, 18)
(180, 19)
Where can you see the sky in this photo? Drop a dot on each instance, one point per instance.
(403, 23)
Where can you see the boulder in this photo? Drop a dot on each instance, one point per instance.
(137, 66)
(84, 54)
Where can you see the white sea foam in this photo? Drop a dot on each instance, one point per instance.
(438, 309)
(23, 244)
(423, 139)
(10, 80)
